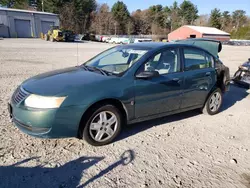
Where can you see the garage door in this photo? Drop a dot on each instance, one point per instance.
(23, 29)
(46, 26)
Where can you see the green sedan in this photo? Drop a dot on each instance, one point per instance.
(123, 85)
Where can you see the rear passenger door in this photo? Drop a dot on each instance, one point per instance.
(199, 77)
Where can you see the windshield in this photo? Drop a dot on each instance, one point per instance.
(116, 60)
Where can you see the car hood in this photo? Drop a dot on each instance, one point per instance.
(62, 82)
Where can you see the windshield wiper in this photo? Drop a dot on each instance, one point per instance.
(99, 69)
(84, 67)
(90, 68)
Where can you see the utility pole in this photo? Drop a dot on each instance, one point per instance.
(115, 28)
(42, 6)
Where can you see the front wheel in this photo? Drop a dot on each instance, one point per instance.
(46, 38)
(213, 103)
(52, 38)
(103, 125)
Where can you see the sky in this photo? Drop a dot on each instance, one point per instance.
(204, 6)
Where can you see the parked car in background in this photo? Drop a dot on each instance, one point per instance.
(114, 40)
(98, 38)
(89, 37)
(124, 41)
(106, 39)
(142, 40)
(123, 85)
(68, 35)
(120, 40)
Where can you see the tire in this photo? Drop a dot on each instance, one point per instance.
(91, 135)
(237, 73)
(208, 108)
(51, 39)
(223, 83)
(46, 37)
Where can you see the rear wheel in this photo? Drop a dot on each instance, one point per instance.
(103, 125)
(213, 103)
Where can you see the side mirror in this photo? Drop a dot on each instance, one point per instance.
(147, 75)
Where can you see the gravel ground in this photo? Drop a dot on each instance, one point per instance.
(184, 150)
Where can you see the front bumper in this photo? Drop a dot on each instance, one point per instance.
(35, 131)
(47, 123)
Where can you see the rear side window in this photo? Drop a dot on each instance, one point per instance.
(197, 59)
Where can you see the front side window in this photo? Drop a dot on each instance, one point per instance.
(197, 59)
(164, 62)
(116, 60)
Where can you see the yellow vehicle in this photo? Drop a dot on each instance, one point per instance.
(54, 34)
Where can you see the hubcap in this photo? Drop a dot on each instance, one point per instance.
(215, 102)
(103, 126)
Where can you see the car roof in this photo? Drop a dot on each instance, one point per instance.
(149, 45)
(204, 45)
(152, 46)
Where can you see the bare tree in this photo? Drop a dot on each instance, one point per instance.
(203, 20)
(239, 18)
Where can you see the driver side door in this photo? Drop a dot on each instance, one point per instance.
(162, 93)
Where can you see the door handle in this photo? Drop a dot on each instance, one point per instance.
(176, 79)
(208, 73)
(174, 82)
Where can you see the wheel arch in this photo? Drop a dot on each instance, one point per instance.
(220, 81)
(211, 91)
(112, 101)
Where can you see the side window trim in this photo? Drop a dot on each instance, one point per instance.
(182, 58)
(160, 51)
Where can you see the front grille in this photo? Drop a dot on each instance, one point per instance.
(19, 95)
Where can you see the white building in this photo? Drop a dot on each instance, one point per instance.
(17, 23)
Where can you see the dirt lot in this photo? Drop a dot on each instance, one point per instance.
(185, 150)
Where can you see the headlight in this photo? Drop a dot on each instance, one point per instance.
(36, 101)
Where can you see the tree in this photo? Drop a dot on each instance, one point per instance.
(174, 18)
(121, 16)
(141, 20)
(83, 10)
(203, 20)
(67, 17)
(19, 4)
(188, 12)
(215, 18)
(102, 20)
(47, 6)
(130, 26)
(226, 21)
(239, 18)
(156, 14)
(156, 18)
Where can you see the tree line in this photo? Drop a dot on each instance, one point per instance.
(86, 16)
